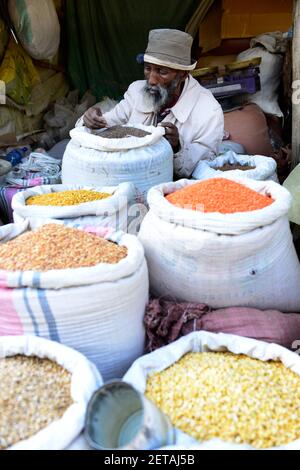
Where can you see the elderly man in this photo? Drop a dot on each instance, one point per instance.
(170, 97)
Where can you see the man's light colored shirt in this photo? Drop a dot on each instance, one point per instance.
(197, 115)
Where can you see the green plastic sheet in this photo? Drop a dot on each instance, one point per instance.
(105, 36)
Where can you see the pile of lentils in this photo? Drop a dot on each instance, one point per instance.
(219, 195)
(55, 246)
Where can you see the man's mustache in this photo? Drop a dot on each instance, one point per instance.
(153, 89)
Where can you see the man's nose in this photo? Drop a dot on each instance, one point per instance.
(153, 78)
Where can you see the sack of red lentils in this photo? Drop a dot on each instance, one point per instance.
(223, 242)
(75, 205)
(77, 288)
(45, 389)
(224, 391)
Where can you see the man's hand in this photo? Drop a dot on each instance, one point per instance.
(171, 135)
(93, 118)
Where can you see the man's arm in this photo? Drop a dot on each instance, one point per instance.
(204, 146)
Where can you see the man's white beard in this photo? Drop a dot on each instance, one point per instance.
(161, 96)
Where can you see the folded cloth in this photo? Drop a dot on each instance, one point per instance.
(166, 321)
(6, 195)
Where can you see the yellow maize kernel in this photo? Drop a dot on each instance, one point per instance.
(66, 198)
(231, 397)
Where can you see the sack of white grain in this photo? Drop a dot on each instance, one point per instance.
(236, 386)
(144, 159)
(55, 384)
(256, 167)
(244, 259)
(78, 289)
(271, 48)
(75, 205)
(37, 27)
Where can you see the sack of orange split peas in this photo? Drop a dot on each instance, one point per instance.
(227, 245)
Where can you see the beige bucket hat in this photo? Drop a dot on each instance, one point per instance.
(170, 48)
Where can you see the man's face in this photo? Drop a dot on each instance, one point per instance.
(162, 84)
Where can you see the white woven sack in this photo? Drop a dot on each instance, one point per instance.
(10, 231)
(231, 224)
(270, 76)
(111, 212)
(264, 167)
(92, 160)
(89, 138)
(98, 311)
(164, 357)
(85, 380)
(257, 267)
(37, 27)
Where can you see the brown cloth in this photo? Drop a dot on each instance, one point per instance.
(166, 321)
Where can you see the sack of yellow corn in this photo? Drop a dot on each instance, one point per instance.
(75, 205)
(222, 388)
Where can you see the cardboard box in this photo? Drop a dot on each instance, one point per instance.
(229, 19)
(248, 19)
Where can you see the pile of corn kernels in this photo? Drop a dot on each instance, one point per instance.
(55, 246)
(34, 392)
(232, 397)
(66, 198)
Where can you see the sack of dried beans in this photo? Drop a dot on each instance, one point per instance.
(225, 391)
(75, 205)
(256, 167)
(76, 288)
(224, 242)
(107, 157)
(45, 389)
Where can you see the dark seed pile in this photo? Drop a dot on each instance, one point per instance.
(120, 132)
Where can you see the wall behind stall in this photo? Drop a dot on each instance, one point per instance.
(104, 38)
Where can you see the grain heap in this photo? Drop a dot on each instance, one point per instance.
(66, 198)
(34, 393)
(232, 166)
(219, 195)
(55, 246)
(231, 397)
(122, 132)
